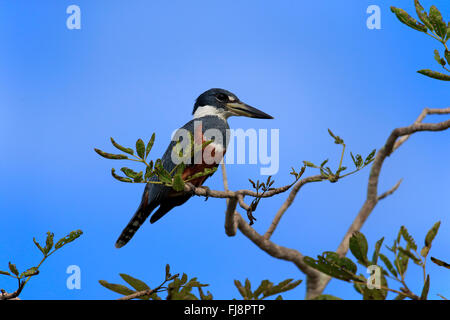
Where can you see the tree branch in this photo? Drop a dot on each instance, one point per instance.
(14, 295)
(316, 281)
(372, 199)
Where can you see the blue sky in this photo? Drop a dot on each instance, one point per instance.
(136, 69)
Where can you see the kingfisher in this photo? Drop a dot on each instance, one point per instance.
(211, 112)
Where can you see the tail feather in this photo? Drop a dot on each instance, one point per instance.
(138, 219)
(162, 210)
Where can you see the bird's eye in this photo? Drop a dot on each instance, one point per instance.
(222, 97)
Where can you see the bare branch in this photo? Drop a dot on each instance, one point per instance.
(372, 190)
(230, 218)
(280, 252)
(390, 191)
(316, 281)
(235, 220)
(421, 117)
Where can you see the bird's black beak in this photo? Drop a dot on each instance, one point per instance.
(241, 109)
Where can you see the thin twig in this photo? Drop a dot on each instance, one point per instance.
(390, 191)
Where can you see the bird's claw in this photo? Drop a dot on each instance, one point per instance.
(207, 191)
(192, 187)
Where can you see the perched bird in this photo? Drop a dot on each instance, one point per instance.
(211, 111)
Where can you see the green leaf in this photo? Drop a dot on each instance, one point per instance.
(248, 288)
(410, 255)
(438, 22)
(49, 242)
(331, 134)
(270, 289)
(440, 263)
(138, 177)
(333, 265)
(400, 296)
(337, 139)
(448, 32)
(203, 296)
(422, 14)
(123, 149)
(327, 297)
(163, 174)
(168, 275)
(241, 289)
(310, 164)
(149, 171)
(150, 145)
(359, 247)
(122, 179)
(6, 273)
(178, 183)
(13, 269)
(434, 74)
(438, 58)
(137, 284)
(264, 286)
(370, 157)
(184, 278)
(447, 53)
(405, 18)
(129, 172)
(432, 234)
(376, 252)
(118, 288)
(408, 238)
(30, 272)
(72, 236)
(388, 264)
(426, 288)
(140, 148)
(39, 246)
(180, 168)
(401, 262)
(376, 294)
(206, 172)
(110, 155)
(359, 288)
(354, 160)
(429, 239)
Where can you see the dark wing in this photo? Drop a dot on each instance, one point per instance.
(157, 195)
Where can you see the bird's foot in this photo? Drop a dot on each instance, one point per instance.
(192, 187)
(207, 191)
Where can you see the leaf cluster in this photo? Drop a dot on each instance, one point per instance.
(176, 287)
(258, 186)
(265, 289)
(155, 172)
(334, 175)
(404, 250)
(432, 24)
(180, 288)
(47, 250)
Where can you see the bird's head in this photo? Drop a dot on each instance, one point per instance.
(223, 103)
